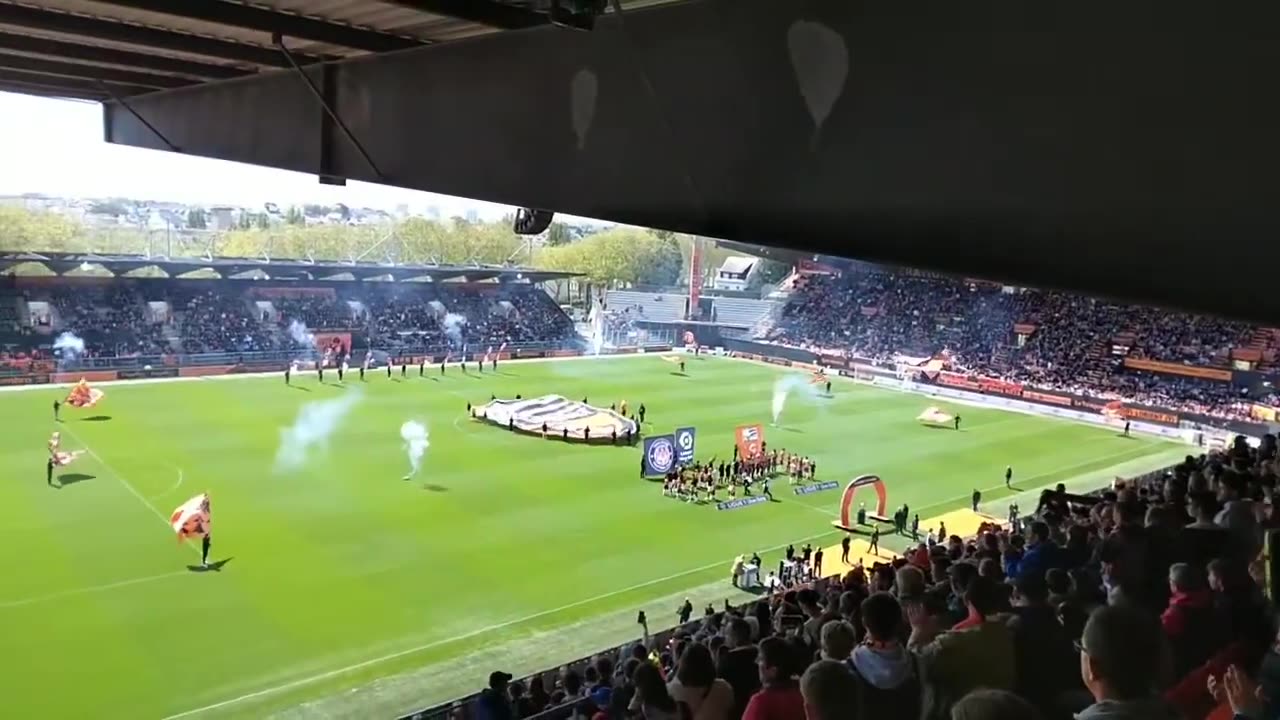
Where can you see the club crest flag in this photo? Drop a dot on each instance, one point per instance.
(659, 455)
(191, 519)
(686, 438)
(83, 396)
(750, 440)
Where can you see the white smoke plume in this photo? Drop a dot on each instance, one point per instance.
(301, 335)
(70, 345)
(309, 435)
(453, 324)
(783, 386)
(414, 435)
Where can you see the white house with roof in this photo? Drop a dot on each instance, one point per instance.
(735, 273)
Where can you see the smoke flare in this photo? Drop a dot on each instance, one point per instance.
(309, 435)
(414, 435)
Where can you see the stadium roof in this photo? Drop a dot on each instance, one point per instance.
(63, 263)
(1109, 156)
(105, 49)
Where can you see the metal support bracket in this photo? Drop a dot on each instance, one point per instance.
(278, 41)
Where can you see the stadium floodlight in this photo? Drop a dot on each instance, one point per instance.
(532, 222)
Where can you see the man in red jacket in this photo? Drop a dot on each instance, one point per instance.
(1190, 622)
(779, 698)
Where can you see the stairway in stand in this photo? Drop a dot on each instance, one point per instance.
(1000, 357)
(1094, 368)
(172, 332)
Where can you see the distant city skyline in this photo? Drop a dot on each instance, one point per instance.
(55, 147)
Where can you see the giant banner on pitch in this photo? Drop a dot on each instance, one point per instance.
(686, 438)
(750, 440)
(659, 455)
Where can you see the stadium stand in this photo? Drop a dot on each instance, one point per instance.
(654, 307)
(1068, 342)
(740, 312)
(116, 319)
(1097, 608)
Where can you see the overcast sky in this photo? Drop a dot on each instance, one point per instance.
(56, 147)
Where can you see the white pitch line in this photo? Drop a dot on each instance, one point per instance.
(123, 481)
(170, 490)
(90, 589)
(467, 635)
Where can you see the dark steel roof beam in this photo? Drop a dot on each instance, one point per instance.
(249, 17)
(483, 12)
(129, 34)
(112, 56)
(90, 72)
(71, 84)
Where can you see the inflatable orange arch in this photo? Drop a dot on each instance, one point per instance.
(846, 501)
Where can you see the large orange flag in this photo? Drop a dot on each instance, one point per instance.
(192, 518)
(83, 396)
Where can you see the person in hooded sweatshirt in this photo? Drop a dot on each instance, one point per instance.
(886, 672)
(1123, 655)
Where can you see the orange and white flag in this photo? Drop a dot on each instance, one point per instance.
(83, 396)
(191, 519)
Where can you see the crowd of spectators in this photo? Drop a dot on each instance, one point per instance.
(116, 320)
(1074, 345)
(221, 322)
(111, 319)
(1141, 603)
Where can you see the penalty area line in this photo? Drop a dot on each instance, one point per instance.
(301, 682)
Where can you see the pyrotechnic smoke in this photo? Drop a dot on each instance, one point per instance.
(301, 335)
(597, 330)
(415, 443)
(70, 344)
(783, 386)
(310, 432)
(453, 324)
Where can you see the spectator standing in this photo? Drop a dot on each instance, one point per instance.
(779, 696)
(493, 703)
(1122, 658)
(1190, 621)
(829, 691)
(651, 700)
(1041, 553)
(738, 666)
(993, 705)
(959, 661)
(1046, 659)
(886, 673)
(697, 688)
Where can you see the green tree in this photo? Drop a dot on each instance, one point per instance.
(295, 216)
(559, 234)
(262, 221)
(196, 219)
(22, 229)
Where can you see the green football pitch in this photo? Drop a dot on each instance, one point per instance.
(346, 591)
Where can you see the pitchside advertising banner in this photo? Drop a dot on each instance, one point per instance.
(819, 487)
(659, 455)
(740, 502)
(685, 442)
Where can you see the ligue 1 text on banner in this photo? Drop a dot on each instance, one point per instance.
(685, 443)
(741, 502)
(808, 489)
(659, 455)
